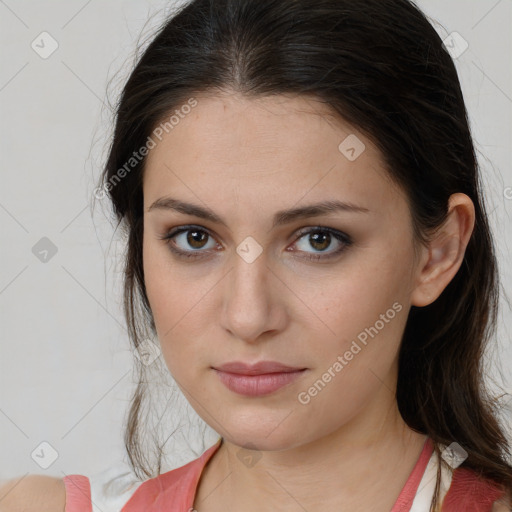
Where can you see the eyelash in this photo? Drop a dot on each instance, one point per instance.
(338, 235)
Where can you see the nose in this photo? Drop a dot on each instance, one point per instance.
(253, 304)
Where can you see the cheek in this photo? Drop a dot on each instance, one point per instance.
(365, 309)
(157, 281)
(166, 285)
(354, 299)
(161, 289)
(367, 314)
(179, 304)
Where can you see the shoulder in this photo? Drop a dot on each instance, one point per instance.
(33, 493)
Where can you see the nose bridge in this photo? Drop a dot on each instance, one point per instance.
(249, 280)
(248, 308)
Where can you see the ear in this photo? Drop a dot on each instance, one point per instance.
(443, 257)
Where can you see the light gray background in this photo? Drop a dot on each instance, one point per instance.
(65, 367)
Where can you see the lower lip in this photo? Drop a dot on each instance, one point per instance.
(257, 385)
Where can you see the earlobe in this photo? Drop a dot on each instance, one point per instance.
(445, 252)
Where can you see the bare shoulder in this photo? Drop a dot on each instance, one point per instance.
(33, 493)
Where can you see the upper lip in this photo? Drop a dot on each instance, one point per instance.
(259, 368)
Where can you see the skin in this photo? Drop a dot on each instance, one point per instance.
(245, 159)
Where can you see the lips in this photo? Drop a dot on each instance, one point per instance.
(253, 380)
(260, 368)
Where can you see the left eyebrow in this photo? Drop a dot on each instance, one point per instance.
(280, 218)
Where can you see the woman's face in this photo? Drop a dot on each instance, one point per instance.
(327, 293)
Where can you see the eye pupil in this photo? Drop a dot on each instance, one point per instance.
(192, 238)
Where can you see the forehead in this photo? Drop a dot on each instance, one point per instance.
(280, 147)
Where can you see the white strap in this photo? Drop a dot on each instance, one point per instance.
(111, 489)
(425, 491)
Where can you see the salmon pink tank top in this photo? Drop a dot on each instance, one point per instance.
(175, 490)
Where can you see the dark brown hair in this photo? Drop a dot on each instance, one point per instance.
(381, 66)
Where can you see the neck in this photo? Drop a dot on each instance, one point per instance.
(361, 466)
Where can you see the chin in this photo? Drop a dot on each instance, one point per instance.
(257, 438)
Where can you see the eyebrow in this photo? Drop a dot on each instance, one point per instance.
(280, 218)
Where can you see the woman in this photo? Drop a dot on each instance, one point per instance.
(308, 241)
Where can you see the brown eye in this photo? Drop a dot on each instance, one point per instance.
(321, 239)
(189, 241)
(196, 238)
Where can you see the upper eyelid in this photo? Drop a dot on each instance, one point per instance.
(301, 231)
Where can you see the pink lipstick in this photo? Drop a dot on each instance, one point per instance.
(257, 379)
